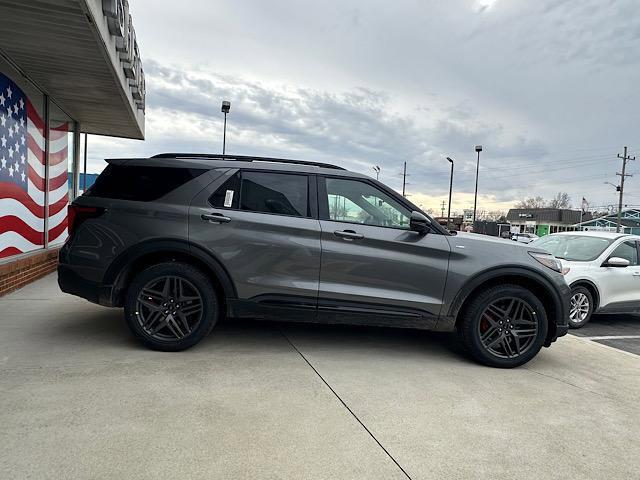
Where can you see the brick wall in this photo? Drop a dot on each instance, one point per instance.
(18, 273)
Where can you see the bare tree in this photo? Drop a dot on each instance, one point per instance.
(494, 216)
(532, 202)
(561, 200)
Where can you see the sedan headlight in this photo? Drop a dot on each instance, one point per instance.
(548, 261)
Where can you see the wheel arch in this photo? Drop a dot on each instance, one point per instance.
(136, 258)
(522, 276)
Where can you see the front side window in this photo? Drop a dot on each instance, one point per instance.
(628, 251)
(264, 192)
(354, 201)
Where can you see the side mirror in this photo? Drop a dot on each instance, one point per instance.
(617, 262)
(419, 223)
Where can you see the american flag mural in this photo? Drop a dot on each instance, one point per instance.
(22, 174)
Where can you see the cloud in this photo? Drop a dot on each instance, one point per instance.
(357, 129)
(547, 87)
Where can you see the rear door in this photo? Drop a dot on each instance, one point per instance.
(373, 267)
(263, 228)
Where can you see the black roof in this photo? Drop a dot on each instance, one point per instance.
(556, 215)
(243, 158)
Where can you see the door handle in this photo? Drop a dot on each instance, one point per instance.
(215, 218)
(348, 234)
(636, 274)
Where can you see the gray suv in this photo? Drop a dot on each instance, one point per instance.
(183, 240)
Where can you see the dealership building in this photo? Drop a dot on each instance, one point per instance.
(67, 67)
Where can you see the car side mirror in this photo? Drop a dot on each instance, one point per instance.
(419, 223)
(617, 262)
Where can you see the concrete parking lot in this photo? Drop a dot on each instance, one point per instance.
(81, 399)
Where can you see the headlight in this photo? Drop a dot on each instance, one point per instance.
(547, 260)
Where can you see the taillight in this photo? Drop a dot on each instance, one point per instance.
(78, 214)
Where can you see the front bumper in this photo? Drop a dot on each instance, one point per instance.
(562, 314)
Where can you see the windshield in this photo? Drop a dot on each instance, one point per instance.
(576, 248)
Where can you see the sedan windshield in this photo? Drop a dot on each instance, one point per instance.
(575, 248)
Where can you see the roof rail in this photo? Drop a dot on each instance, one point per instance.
(244, 158)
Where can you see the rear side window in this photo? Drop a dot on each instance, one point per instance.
(139, 183)
(264, 192)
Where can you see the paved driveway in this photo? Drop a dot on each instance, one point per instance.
(80, 399)
(618, 331)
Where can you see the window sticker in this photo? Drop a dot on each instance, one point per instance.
(228, 198)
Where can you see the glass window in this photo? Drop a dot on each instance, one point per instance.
(228, 195)
(576, 248)
(139, 183)
(628, 251)
(60, 162)
(278, 193)
(354, 201)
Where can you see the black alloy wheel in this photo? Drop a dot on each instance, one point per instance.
(508, 327)
(171, 306)
(504, 326)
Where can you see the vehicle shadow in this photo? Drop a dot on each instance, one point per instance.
(106, 326)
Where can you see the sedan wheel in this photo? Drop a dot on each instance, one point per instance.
(581, 307)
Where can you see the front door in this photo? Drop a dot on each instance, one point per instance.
(373, 267)
(260, 225)
(622, 284)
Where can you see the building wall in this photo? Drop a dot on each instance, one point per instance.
(19, 272)
(35, 157)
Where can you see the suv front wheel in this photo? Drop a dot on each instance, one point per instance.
(504, 326)
(171, 306)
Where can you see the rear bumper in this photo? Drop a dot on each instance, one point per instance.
(70, 282)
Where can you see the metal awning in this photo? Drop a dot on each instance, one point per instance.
(67, 49)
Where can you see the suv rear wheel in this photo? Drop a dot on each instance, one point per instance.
(171, 306)
(504, 326)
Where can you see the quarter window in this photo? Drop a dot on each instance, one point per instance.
(265, 192)
(140, 183)
(354, 201)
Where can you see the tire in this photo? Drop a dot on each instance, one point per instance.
(581, 307)
(487, 340)
(158, 293)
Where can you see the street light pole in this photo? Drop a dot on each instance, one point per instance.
(404, 178)
(376, 169)
(450, 191)
(226, 106)
(475, 197)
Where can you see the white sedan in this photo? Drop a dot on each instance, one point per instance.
(602, 269)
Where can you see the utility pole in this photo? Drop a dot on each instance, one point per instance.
(625, 158)
(404, 177)
(442, 209)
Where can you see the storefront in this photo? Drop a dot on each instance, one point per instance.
(78, 70)
(542, 221)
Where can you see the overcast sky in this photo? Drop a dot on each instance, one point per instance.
(550, 88)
